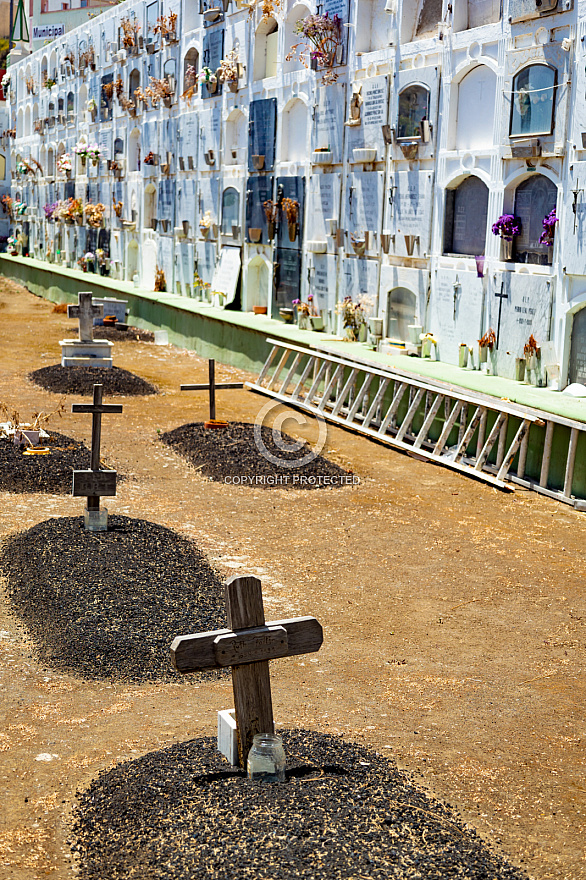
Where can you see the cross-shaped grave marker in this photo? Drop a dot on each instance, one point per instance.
(95, 483)
(211, 387)
(247, 646)
(86, 312)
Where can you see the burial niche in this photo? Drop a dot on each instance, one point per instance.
(257, 283)
(420, 19)
(265, 49)
(190, 68)
(230, 210)
(401, 312)
(236, 138)
(577, 371)
(533, 101)
(134, 150)
(476, 101)
(298, 13)
(70, 107)
(133, 85)
(474, 13)
(534, 199)
(294, 133)
(465, 218)
(413, 111)
(372, 26)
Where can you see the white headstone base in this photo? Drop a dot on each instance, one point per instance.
(227, 739)
(86, 354)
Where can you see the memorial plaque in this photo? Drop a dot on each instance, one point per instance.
(188, 136)
(409, 205)
(364, 201)
(213, 52)
(153, 66)
(206, 260)
(323, 285)
(209, 197)
(209, 138)
(165, 258)
(455, 312)
(186, 203)
(150, 137)
(360, 281)
(262, 130)
(94, 483)
(578, 349)
(258, 191)
(184, 264)
(286, 278)
(374, 114)
(169, 138)
(227, 273)
(166, 203)
(232, 201)
(324, 205)
(329, 114)
(290, 188)
(526, 310)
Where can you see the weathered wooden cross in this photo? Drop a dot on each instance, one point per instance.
(95, 483)
(247, 646)
(86, 312)
(211, 387)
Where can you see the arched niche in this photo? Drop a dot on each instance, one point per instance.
(118, 148)
(534, 199)
(372, 26)
(236, 138)
(50, 169)
(420, 19)
(294, 132)
(190, 68)
(297, 13)
(465, 218)
(79, 162)
(82, 98)
(20, 123)
(134, 150)
(44, 68)
(53, 65)
(257, 283)
(475, 113)
(133, 84)
(70, 106)
(149, 213)
(230, 210)
(266, 46)
(27, 121)
(475, 13)
(2, 166)
(413, 111)
(401, 312)
(533, 101)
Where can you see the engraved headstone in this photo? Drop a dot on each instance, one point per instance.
(286, 277)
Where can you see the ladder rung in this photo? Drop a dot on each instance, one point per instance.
(481, 459)
(512, 451)
(407, 421)
(429, 420)
(303, 378)
(400, 389)
(345, 391)
(448, 425)
(368, 377)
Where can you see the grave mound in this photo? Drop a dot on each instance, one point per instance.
(81, 380)
(108, 605)
(42, 473)
(232, 456)
(131, 334)
(344, 812)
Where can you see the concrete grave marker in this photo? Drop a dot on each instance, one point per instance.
(247, 646)
(85, 351)
(211, 388)
(95, 483)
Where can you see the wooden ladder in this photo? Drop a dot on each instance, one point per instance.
(475, 434)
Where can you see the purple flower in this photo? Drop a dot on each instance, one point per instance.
(548, 224)
(507, 226)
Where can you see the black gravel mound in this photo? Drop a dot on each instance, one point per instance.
(42, 473)
(344, 812)
(81, 380)
(107, 605)
(130, 334)
(232, 455)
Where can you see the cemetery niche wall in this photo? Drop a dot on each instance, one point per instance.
(190, 139)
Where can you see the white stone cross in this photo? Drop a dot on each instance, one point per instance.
(247, 647)
(86, 312)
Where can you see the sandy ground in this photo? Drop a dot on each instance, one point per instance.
(454, 619)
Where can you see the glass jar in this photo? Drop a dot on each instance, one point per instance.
(266, 759)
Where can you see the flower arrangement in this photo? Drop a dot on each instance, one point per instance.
(228, 71)
(20, 208)
(206, 75)
(488, 340)
(22, 167)
(87, 58)
(94, 214)
(119, 86)
(126, 103)
(30, 85)
(507, 226)
(191, 83)
(158, 90)
(49, 83)
(271, 210)
(11, 244)
(7, 205)
(160, 280)
(166, 25)
(206, 222)
(108, 90)
(91, 105)
(149, 159)
(322, 37)
(50, 210)
(64, 163)
(118, 206)
(94, 152)
(549, 224)
(81, 149)
(531, 348)
(86, 260)
(353, 316)
(291, 209)
(130, 28)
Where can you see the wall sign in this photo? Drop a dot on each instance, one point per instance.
(227, 273)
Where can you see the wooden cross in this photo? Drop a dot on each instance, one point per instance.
(86, 312)
(247, 646)
(95, 483)
(211, 387)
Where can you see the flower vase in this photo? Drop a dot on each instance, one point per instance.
(95, 161)
(83, 161)
(303, 322)
(350, 334)
(233, 85)
(506, 250)
(292, 231)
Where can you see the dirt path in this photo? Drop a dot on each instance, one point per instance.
(454, 618)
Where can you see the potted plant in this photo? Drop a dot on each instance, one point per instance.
(160, 280)
(353, 318)
(291, 209)
(532, 353)
(81, 150)
(64, 164)
(94, 214)
(271, 212)
(229, 70)
(93, 152)
(303, 312)
(507, 227)
(205, 225)
(208, 78)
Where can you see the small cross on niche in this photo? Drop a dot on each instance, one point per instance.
(211, 388)
(247, 646)
(95, 483)
(85, 311)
